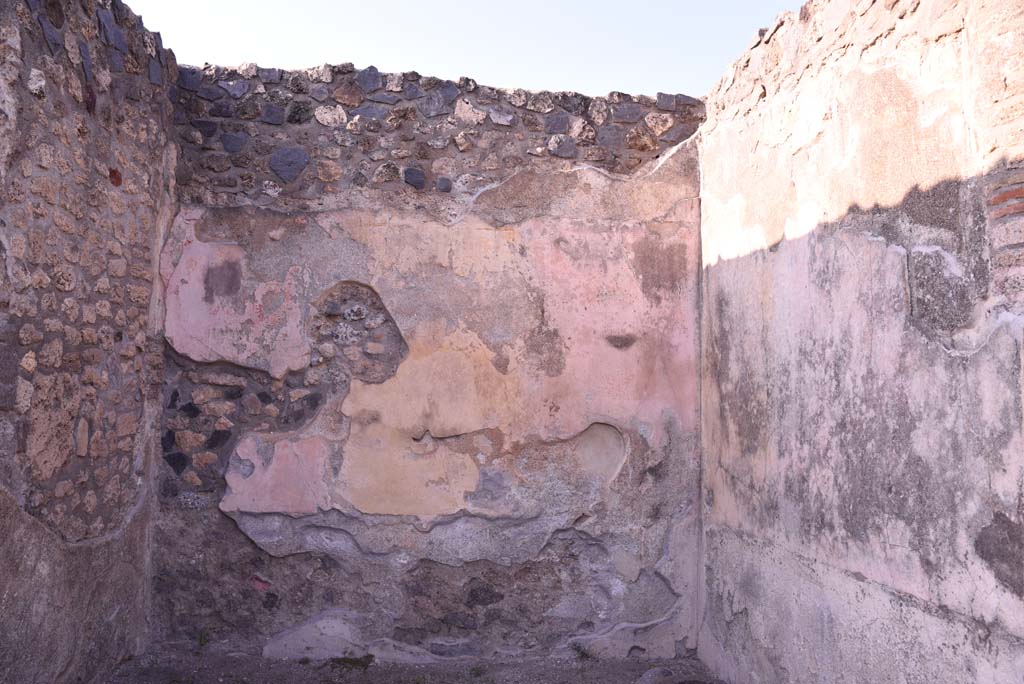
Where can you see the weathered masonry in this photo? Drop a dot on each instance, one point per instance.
(338, 362)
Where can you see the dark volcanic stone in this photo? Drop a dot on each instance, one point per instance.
(297, 84)
(233, 142)
(218, 438)
(385, 97)
(415, 177)
(167, 441)
(412, 91)
(190, 79)
(223, 109)
(678, 133)
(687, 101)
(206, 127)
(272, 114)
(33, 5)
(112, 33)
(208, 91)
(190, 410)
(120, 11)
(611, 136)
(666, 102)
(299, 112)
(557, 122)
(627, 112)
(444, 184)
(54, 38)
(562, 146)
(178, 462)
(319, 92)
(116, 60)
(269, 75)
(574, 103)
(369, 79)
(449, 91)
(156, 76)
(433, 105)
(83, 50)
(370, 111)
(288, 162)
(265, 397)
(235, 89)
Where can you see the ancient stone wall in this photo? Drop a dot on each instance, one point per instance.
(862, 389)
(426, 369)
(431, 383)
(251, 135)
(86, 175)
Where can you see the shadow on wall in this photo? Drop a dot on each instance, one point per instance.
(863, 461)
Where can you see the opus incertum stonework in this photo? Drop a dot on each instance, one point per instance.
(341, 375)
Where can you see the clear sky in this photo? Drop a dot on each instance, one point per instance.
(590, 46)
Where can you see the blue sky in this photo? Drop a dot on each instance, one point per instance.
(594, 46)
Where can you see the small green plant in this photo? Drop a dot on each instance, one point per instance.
(202, 640)
(477, 671)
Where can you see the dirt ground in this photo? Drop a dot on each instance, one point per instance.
(188, 668)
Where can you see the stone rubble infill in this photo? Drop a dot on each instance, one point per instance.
(251, 135)
(215, 668)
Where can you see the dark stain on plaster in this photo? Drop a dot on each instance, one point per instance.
(744, 402)
(1001, 545)
(621, 341)
(660, 267)
(547, 349)
(248, 227)
(222, 280)
(940, 298)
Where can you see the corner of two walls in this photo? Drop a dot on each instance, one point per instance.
(86, 166)
(501, 282)
(861, 225)
(849, 318)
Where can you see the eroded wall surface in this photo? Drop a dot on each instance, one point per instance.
(862, 391)
(431, 387)
(86, 170)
